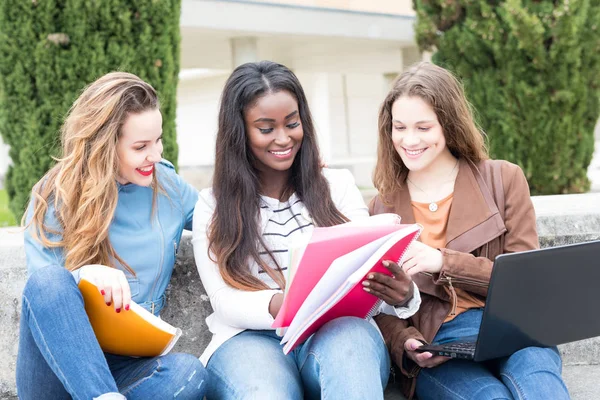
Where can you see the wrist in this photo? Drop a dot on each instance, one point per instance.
(440, 260)
(409, 296)
(275, 304)
(411, 307)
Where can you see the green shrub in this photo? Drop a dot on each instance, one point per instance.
(6, 217)
(531, 68)
(49, 50)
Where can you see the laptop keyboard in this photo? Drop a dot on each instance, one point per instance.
(460, 346)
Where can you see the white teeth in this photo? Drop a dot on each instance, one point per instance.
(282, 153)
(146, 169)
(414, 152)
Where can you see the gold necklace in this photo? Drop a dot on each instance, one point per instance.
(433, 207)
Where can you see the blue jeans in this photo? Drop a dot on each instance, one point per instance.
(345, 359)
(531, 373)
(59, 356)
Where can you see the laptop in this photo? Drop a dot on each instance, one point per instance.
(536, 298)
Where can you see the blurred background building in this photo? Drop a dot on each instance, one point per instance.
(345, 53)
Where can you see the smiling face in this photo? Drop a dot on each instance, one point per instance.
(274, 132)
(417, 135)
(140, 147)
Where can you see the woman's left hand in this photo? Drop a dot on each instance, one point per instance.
(425, 359)
(422, 258)
(396, 290)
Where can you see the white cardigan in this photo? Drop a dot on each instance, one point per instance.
(237, 310)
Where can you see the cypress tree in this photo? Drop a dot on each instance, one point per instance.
(51, 49)
(531, 68)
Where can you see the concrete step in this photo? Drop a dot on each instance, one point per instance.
(582, 352)
(583, 382)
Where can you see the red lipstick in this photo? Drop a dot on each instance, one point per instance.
(145, 173)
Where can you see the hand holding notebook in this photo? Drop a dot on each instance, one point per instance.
(136, 332)
(326, 282)
(396, 289)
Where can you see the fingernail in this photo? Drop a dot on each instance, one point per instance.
(386, 263)
(413, 346)
(366, 289)
(370, 276)
(109, 303)
(127, 307)
(118, 310)
(366, 283)
(103, 292)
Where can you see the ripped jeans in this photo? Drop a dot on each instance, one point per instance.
(59, 356)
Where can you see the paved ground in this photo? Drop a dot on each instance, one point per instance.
(583, 381)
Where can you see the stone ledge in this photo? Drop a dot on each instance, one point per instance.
(561, 220)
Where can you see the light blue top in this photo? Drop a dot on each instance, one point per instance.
(147, 242)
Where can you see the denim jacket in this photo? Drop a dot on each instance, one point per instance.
(147, 241)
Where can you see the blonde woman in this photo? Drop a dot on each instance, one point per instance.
(112, 211)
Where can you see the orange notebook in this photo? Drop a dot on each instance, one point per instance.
(136, 332)
(327, 280)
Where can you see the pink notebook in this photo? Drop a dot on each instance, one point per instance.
(327, 284)
(326, 244)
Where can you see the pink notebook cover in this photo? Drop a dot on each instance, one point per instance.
(357, 302)
(326, 244)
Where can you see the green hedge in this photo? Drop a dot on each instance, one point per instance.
(531, 68)
(50, 49)
(6, 217)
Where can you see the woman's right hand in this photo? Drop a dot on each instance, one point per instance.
(111, 283)
(425, 359)
(275, 304)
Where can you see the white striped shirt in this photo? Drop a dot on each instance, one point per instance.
(285, 225)
(236, 310)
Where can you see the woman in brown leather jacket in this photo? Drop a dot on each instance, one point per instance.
(433, 169)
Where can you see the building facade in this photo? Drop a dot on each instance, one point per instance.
(345, 53)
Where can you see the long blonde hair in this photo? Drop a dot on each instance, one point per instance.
(444, 93)
(82, 185)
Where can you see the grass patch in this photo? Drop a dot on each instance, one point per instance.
(6, 217)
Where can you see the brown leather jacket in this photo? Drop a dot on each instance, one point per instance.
(491, 214)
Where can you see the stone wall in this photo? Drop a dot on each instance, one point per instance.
(561, 220)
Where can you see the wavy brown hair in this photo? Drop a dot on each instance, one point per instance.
(234, 236)
(444, 93)
(82, 185)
